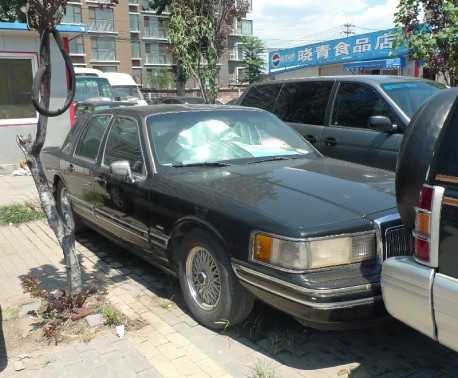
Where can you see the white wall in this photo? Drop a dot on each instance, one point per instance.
(28, 42)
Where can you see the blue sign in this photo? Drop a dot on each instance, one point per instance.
(377, 45)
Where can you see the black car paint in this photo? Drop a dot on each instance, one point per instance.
(231, 202)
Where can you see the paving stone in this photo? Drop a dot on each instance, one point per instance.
(94, 320)
(29, 308)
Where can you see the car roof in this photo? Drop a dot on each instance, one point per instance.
(380, 79)
(146, 110)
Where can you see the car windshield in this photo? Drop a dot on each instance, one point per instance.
(409, 95)
(223, 136)
(127, 92)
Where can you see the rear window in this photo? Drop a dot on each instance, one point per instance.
(409, 95)
(262, 96)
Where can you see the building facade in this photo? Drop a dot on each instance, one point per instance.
(131, 39)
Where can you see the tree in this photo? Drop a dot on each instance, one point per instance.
(10, 10)
(198, 31)
(164, 78)
(253, 63)
(429, 29)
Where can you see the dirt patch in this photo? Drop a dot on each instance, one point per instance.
(24, 333)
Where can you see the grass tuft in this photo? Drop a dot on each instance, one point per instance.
(20, 213)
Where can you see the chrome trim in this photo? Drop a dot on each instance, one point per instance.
(159, 239)
(298, 271)
(436, 207)
(237, 267)
(378, 230)
(123, 225)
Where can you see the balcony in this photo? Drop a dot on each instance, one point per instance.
(102, 26)
(158, 58)
(155, 33)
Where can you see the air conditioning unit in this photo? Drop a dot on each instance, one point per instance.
(232, 81)
(233, 56)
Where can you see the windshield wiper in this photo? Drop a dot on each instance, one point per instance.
(203, 164)
(275, 158)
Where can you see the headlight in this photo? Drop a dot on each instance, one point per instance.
(313, 253)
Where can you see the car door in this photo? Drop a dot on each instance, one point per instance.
(122, 202)
(303, 105)
(348, 136)
(79, 167)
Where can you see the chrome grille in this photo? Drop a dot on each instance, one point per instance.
(398, 242)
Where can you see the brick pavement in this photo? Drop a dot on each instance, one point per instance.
(173, 344)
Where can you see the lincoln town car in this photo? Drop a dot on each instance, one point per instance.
(238, 206)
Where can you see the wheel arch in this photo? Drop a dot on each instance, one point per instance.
(185, 226)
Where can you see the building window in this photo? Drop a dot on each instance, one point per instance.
(135, 2)
(72, 14)
(107, 68)
(156, 53)
(155, 27)
(244, 27)
(135, 47)
(76, 46)
(137, 75)
(16, 76)
(103, 49)
(133, 22)
(101, 19)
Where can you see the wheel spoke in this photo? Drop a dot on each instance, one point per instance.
(203, 278)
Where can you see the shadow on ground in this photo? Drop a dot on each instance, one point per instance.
(372, 352)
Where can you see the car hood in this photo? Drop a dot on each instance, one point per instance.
(303, 192)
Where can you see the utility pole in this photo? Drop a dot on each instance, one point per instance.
(348, 31)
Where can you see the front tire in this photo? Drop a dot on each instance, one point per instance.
(210, 288)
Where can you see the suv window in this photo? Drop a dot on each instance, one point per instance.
(355, 103)
(304, 102)
(262, 96)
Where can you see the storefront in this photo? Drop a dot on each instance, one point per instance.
(19, 61)
(370, 53)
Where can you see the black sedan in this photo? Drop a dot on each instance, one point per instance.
(238, 206)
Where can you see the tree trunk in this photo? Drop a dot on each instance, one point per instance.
(63, 228)
(181, 82)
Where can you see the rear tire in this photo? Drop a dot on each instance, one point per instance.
(210, 287)
(61, 193)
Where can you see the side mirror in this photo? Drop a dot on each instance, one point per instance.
(122, 168)
(381, 123)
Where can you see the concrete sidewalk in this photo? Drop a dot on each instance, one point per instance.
(172, 344)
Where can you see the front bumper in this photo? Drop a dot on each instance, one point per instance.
(407, 293)
(319, 306)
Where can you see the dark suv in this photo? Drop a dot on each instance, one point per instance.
(422, 290)
(358, 118)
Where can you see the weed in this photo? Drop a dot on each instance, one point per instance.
(165, 303)
(262, 369)
(58, 308)
(255, 325)
(111, 315)
(19, 213)
(283, 342)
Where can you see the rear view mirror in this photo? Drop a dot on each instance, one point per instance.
(122, 168)
(381, 123)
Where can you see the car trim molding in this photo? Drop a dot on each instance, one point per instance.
(133, 229)
(446, 178)
(242, 272)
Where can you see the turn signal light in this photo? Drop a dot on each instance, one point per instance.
(422, 232)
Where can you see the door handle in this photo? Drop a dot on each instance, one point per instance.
(70, 168)
(330, 141)
(311, 138)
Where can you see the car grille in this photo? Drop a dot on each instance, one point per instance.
(398, 242)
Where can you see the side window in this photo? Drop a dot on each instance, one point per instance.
(123, 143)
(89, 143)
(304, 102)
(262, 96)
(355, 103)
